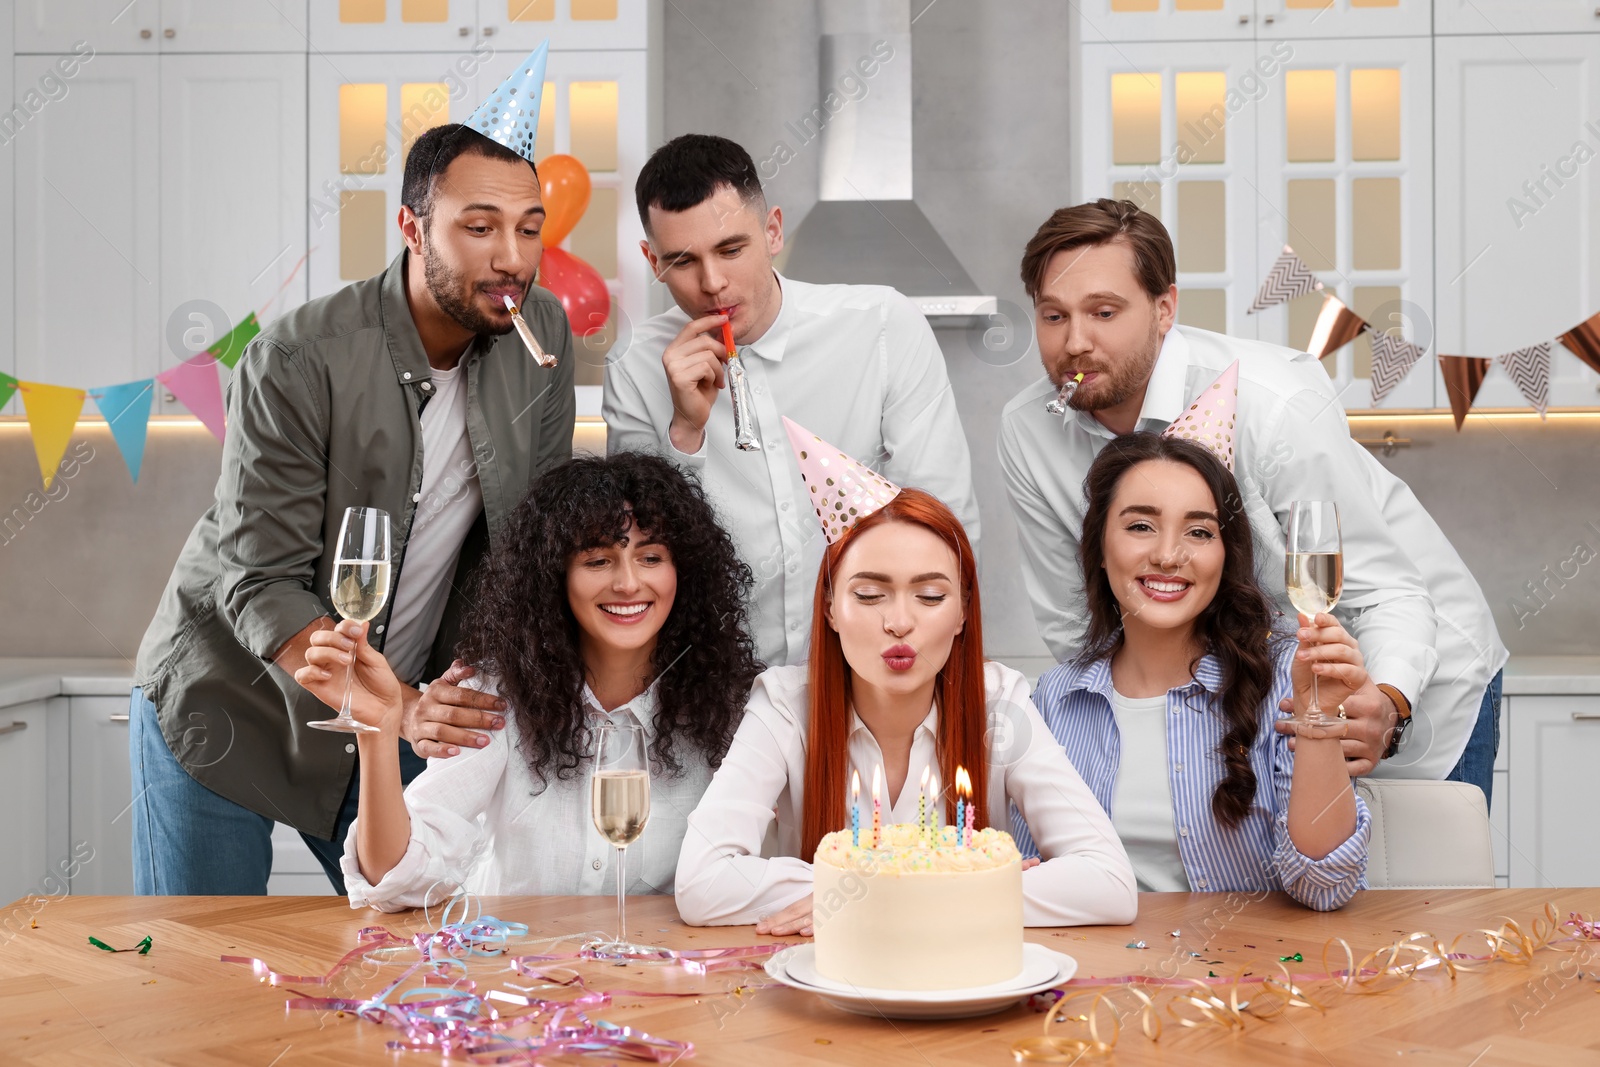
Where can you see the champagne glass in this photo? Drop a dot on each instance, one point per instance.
(619, 801)
(359, 590)
(1313, 568)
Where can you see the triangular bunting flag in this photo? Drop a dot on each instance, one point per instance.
(1463, 377)
(230, 346)
(510, 115)
(194, 382)
(1530, 370)
(1289, 278)
(1584, 340)
(1336, 327)
(1392, 359)
(8, 385)
(52, 413)
(127, 411)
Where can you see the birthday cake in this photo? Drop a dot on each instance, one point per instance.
(924, 910)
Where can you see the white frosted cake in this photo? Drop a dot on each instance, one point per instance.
(920, 911)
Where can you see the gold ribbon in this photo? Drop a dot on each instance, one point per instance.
(1196, 1003)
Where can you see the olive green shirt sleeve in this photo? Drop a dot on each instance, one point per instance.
(560, 408)
(271, 498)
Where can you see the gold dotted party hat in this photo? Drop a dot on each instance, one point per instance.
(1210, 419)
(842, 491)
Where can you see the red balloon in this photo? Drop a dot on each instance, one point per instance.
(580, 289)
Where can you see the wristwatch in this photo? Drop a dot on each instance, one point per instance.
(1402, 723)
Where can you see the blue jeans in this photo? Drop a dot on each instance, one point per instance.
(1477, 762)
(189, 841)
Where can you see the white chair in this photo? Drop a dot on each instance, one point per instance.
(1427, 835)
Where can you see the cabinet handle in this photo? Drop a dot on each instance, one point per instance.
(169, 33)
(13, 728)
(1268, 19)
(488, 31)
(465, 31)
(1586, 716)
(1243, 19)
(144, 35)
(119, 716)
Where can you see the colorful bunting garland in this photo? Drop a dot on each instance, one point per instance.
(53, 410)
(1393, 356)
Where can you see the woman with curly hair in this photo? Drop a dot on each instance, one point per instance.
(1170, 710)
(611, 594)
(897, 680)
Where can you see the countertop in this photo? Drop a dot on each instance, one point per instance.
(23, 680)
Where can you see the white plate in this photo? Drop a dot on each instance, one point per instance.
(1042, 968)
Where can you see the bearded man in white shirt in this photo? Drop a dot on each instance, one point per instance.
(855, 364)
(1101, 277)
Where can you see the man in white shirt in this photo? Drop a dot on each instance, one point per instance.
(1101, 276)
(855, 364)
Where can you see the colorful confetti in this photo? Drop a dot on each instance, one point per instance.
(1297, 958)
(1136, 944)
(142, 948)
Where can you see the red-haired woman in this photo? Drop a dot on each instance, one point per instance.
(896, 680)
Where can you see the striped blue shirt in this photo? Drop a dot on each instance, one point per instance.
(1257, 854)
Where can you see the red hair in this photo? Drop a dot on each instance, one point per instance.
(958, 691)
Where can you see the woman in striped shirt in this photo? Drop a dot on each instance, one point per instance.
(1169, 712)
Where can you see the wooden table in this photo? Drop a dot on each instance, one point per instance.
(65, 1002)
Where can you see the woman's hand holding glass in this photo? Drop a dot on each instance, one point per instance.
(376, 695)
(1328, 669)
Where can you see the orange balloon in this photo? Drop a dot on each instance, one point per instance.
(565, 185)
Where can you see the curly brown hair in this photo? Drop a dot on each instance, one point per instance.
(521, 626)
(1237, 626)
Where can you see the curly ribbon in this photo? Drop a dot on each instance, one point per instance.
(142, 948)
(1217, 1002)
(434, 1012)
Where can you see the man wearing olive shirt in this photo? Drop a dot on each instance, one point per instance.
(405, 392)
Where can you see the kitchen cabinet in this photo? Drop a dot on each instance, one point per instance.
(101, 806)
(203, 223)
(1554, 749)
(153, 26)
(1517, 126)
(1248, 20)
(453, 25)
(36, 860)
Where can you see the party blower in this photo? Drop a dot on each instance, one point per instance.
(1058, 406)
(744, 435)
(540, 356)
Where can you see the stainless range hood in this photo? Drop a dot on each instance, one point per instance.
(866, 228)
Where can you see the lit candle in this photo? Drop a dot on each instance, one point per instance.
(877, 806)
(936, 816)
(922, 806)
(964, 807)
(855, 808)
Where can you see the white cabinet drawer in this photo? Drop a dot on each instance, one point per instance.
(101, 810)
(29, 866)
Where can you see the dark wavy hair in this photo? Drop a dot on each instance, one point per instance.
(521, 626)
(1236, 627)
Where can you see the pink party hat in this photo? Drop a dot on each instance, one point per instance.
(1209, 420)
(843, 492)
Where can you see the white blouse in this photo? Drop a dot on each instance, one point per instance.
(481, 821)
(741, 856)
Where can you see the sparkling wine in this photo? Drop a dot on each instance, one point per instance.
(1314, 580)
(620, 802)
(360, 588)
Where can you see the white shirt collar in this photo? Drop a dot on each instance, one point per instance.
(773, 343)
(1164, 398)
(928, 725)
(641, 708)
